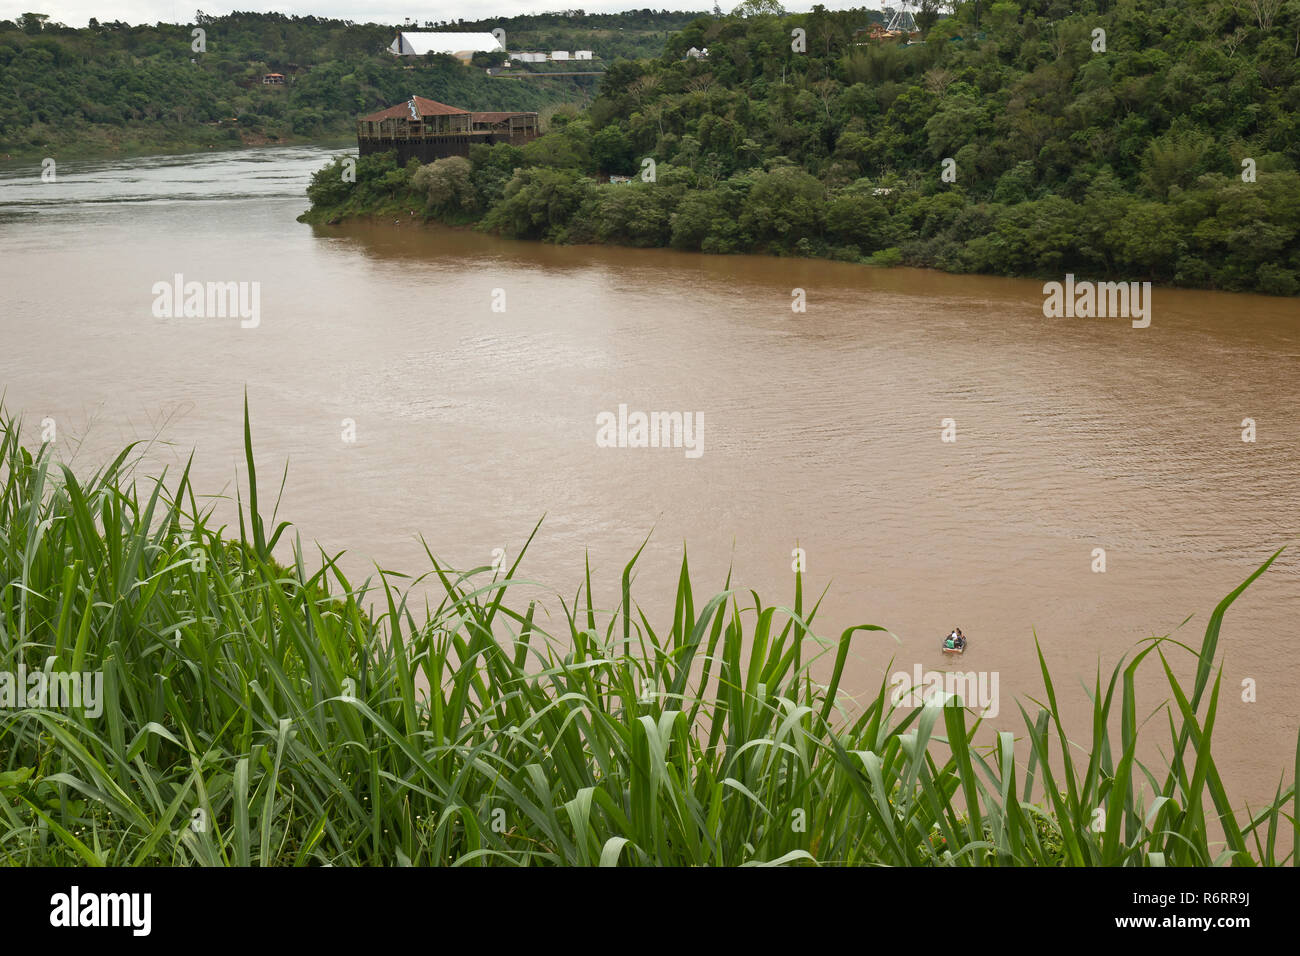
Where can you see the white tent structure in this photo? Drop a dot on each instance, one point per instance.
(460, 45)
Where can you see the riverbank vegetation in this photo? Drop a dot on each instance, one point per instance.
(1166, 149)
(113, 87)
(262, 713)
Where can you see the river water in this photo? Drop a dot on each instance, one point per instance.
(820, 430)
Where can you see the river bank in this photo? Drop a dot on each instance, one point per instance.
(783, 211)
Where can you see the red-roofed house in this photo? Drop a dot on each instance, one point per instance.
(414, 119)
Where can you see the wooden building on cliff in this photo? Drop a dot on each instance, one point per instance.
(427, 130)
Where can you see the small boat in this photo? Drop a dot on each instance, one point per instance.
(962, 643)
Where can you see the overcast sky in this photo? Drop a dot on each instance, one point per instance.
(75, 13)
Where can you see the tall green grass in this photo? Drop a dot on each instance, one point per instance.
(260, 714)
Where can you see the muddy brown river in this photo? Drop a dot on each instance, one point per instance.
(470, 374)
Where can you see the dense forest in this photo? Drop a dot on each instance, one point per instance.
(113, 86)
(1128, 138)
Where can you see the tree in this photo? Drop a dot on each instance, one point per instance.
(783, 206)
(611, 150)
(1176, 159)
(328, 186)
(33, 23)
(694, 218)
(1146, 241)
(759, 8)
(446, 184)
(927, 16)
(857, 218)
(632, 215)
(1264, 11)
(537, 203)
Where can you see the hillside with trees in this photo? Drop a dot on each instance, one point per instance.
(116, 87)
(1164, 149)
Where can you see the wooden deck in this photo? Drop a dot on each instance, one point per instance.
(434, 130)
(426, 148)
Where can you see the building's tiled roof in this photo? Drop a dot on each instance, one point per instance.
(429, 107)
(392, 112)
(423, 105)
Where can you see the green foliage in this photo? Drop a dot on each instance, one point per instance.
(611, 150)
(1178, 158)
(568, 147)
(782, 207)
(701, 216)
(380, 185)
(537, 202)
(447, 184)
(1125, 164)
(256, 713)
(112, 86)
(632, 215)
(632, 35)
(856, 217)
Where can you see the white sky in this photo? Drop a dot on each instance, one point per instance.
(75, 13)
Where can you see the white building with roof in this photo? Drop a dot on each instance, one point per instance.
(460, 45)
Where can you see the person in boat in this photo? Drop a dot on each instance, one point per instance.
(950, 642)
(960, 639)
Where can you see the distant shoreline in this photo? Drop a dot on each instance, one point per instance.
(390, 220)
(340, 143)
